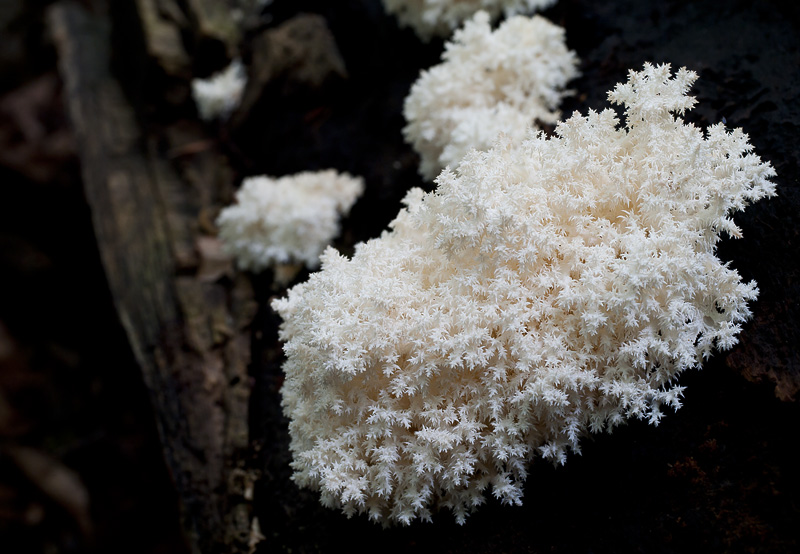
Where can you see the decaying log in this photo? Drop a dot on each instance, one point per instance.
(185, 315)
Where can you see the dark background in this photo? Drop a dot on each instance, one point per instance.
(75, 422)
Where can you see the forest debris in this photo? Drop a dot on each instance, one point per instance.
(214, 262)
(304, 49)
(23, 106)
(256, 536)
(243, 482)
(214, 19)
(56, 481)
(34, 138)
(301, 53)
(163, 37)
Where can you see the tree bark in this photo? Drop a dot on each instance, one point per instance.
(187, 325)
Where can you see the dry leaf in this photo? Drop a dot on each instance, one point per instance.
(59, 483)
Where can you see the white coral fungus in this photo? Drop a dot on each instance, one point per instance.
(489, 82)
(220, 94)
(287, 220)
(541, 292)
(431, 18)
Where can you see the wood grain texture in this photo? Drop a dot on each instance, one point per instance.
(187, 331)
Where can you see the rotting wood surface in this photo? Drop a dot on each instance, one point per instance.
(186, 324)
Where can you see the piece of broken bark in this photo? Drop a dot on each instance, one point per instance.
(299, 54)
(34, 138)
(213, 19)
(163, 38)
